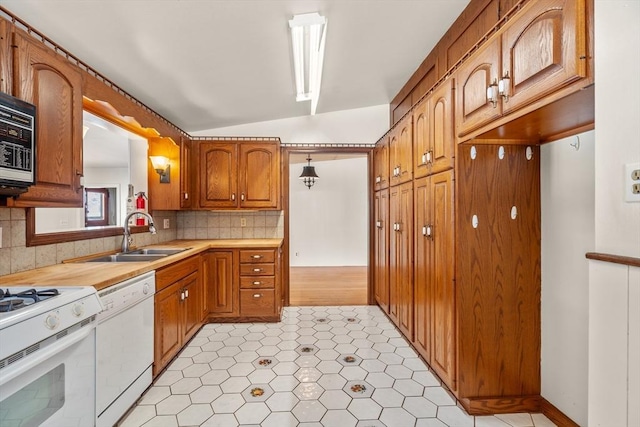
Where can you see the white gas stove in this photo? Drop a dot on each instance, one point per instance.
(47, 355)
(29, 315)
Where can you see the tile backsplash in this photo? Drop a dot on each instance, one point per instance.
(15, 256)
(230, 225)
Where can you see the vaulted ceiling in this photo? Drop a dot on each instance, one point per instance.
(205, 64)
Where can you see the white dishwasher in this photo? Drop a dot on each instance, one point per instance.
(124, 346)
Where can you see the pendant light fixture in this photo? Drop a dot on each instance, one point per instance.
(308, 175)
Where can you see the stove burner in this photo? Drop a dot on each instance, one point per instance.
(37, 295)
(10, 305)
(12, 302)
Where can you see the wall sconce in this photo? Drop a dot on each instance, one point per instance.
(162, 166)
(308, 35)
(308, 175)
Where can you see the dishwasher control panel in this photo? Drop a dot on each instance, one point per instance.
(125, 294)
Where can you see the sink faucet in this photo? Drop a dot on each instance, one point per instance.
(127, 240)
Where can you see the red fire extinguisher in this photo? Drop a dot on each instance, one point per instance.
(141, 206)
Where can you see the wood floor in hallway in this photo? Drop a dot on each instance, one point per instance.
(327, 286)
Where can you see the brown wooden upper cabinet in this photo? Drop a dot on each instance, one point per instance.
(539, 51)
(186, 186)
(433, 134)
(381, 164)
(54, 86)
(5, 56)
(239, 174)
(401, 152)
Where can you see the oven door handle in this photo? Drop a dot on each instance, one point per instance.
(24, 365)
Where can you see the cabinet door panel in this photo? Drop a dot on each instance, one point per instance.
(5, 57)
(472, 80)
(422, 265)
(221, 282)
(218, 175)
(381, 249)
(54, 86)
(441, 131)
(421, 145)
(168, 326)
(442, 283)
(192, 286)
(260, 171)
(186, 196)
(381, 164)
(405, 273)
(543, 50)
(395, 250)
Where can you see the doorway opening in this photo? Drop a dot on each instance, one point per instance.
(327, 227)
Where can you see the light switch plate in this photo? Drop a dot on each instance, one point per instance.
(166, 223)
(631, 179)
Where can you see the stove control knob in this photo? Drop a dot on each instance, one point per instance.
(52, 321)
(145, 289)
(78, 310)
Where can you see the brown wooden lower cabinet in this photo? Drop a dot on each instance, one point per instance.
(244, 284)
(179, 309)
(476, 275)
(434, 298)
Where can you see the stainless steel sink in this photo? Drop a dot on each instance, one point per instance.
(157, 251)
(128, 257)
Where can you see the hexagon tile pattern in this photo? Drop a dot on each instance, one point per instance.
(342, 366)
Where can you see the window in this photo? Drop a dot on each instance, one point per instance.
(96, 207)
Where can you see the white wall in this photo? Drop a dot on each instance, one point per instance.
(361, 125)
(568, 221)
(613, 289)
(328, 223)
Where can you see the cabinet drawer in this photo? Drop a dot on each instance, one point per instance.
(257, 282)
(259, 302)
(253, 256)
(174, 272)
(257, 270)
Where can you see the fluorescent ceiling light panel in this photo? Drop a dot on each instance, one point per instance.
(308, 34)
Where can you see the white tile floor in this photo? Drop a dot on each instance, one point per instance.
(320, 366)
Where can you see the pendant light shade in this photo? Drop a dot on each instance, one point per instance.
(308, 175)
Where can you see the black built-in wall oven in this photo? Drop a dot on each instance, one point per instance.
(17, 145)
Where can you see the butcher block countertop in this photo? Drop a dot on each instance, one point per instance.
(104, 274)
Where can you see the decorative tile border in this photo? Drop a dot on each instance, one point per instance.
(358, 389)
(257, 393)
(349, 360)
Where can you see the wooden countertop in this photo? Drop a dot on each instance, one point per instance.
(103, 274)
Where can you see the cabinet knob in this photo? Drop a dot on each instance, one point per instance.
(257, 270)
(256, 256)
(233, 197)
(257, 295)
(378, 179)
(257, 283)
(186, 293)
(379, 224)
(242, 197)
(182, 296)
(186, 196)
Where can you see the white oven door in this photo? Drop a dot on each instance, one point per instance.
(53, 386)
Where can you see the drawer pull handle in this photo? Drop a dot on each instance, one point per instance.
(256, 256)
(257, 283)
(257, 295)
(257, 270)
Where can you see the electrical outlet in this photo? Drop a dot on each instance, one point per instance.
(165, 223)
(243, 222)
(632, 182)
